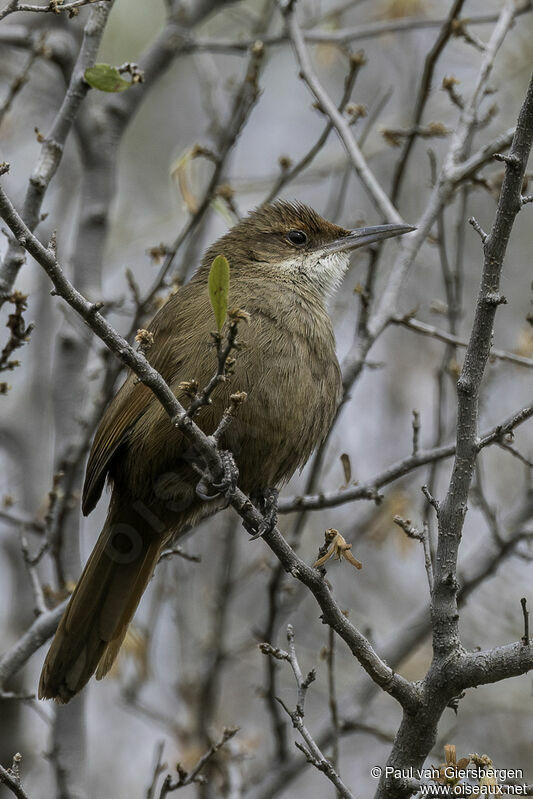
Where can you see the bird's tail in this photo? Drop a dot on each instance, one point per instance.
(96, 619)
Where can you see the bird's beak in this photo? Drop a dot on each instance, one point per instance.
(361, 237)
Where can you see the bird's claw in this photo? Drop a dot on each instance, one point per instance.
(224, 487)
(267, 503)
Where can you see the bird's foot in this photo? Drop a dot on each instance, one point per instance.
(230, 478)
(267, 503)
(208, 490)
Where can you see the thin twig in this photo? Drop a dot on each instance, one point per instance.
(416, 431)
(423, 537)
(453, 670)
(515, 453)
(31, 564)
(370, 489)
(18, 520)
(54, 141)
(244, 101)
(311, 750)
(448, 338)
(38, 49)
(11, 778)
(424, 89)
(290, 173)
(224, 346)
(344, 35)
(180, 552)
(525, 614)
(159, 768)
(53, 7)
(357, 159)
(332, 700)
(189, 777)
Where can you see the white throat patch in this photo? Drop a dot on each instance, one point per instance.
(325, 271)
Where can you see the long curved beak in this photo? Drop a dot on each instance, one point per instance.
(361, 237)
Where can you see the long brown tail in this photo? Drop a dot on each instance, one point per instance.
(96, 619)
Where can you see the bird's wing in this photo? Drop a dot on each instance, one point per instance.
(126, 407)
(133, 398)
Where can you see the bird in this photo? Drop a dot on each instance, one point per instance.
(285, 261)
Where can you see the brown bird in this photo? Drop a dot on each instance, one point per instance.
(285, 260)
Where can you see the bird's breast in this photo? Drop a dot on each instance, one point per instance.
(289, 370)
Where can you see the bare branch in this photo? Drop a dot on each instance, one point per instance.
(11, 778)
(448, 338)
(327, 106)
(36, 635)
(54, 141)
(31, 566)
(189, 777)
(423, 93)
(311, 750)
(54, 7)
(462, 669)
(453, 507)
(18, 520)
(288, 174)
(345, 35)
(446, 183)
(370, 489)
(416, 431)
(244, 101)
(37, 48)
(19, 331)
(423, 537)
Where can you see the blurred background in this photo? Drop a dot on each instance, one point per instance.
(191, 664)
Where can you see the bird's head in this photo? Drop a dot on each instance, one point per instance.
(294, 241)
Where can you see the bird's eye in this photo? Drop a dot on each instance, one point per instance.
(297, 237)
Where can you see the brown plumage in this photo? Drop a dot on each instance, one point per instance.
(284, 259)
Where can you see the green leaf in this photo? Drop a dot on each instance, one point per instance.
(106, 78)
(218, 285)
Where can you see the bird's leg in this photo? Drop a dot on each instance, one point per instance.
(226, 486)
(266, 502)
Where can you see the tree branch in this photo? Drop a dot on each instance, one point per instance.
(54, 142)
(417, 730)
(328, 107)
